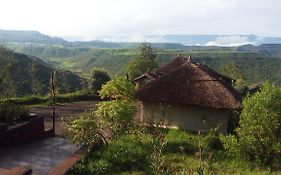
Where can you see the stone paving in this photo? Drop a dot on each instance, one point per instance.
(41, 156)
(62, 111)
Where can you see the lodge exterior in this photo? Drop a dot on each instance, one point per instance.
(186, 95)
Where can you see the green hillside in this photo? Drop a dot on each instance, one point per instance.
(254, 66)
(21, 36)
(257, 63)
(21, 75)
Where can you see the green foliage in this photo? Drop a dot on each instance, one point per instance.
(36, 85)
(124, 154)
(260, 128)
(231, 144)
(260, 125)
(159, 164)
(98, 78)
(119, 111)
(230, 70)
(144, 62)
(23, 75)
(84, 129)
(133, 156)
(118, 88)
(158, 160)
(7, 85)
(11, 113)
(254, 67)
(213, 142)
(118, 114)
(146, 51)
(233, 122)
(60, 98)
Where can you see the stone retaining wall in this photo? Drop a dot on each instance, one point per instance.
(29, 130)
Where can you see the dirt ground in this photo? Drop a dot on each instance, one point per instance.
(62, 111)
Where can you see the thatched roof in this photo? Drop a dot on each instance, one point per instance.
(172, 65)
(190, 83)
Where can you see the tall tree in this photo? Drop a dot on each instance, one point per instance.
(7, 79)
(98, 78)
(36, 85)
(231, 70)
(119, 111)
(145, 61)
(64, 85)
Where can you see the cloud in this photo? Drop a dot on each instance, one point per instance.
(228, 41)
(142, 17)
(129, 38)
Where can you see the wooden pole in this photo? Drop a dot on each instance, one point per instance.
(53, 93)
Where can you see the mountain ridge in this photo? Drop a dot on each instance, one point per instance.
(27, 74)
(29, 37)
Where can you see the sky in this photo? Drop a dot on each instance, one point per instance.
(136, 18)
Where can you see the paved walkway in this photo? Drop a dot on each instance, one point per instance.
(41, 156)
(62, 111)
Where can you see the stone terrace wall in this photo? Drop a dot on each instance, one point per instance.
(23, 132)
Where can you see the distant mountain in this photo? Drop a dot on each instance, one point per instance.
(125, 45)
(27, 74)
(195, 40)
(270, 50)
(158, 41)
(28, 37)
(31, 38)
(258, 62)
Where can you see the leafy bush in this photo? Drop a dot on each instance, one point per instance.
(233, 122)
(145, 61)
(124, 153)
(231, 144)
(98, 78)
(84, 129)
(11, 113)
(118, 114)
(213, 142)
(118, 88)
(159, 163)
(260, 125)
(119, 111)
(180, 141)
(259, 134)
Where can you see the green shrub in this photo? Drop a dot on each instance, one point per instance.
(159, 164)
(118, 88)
(233, 122)
(118, 114)
(123, 154)
(260, 127)
(119, 111)
(231, 144)
(213, 142)
(98, 78)
(84, 129)
(179, 141)
(11, 113)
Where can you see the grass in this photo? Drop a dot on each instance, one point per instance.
(130, 154)
(61, 62)
(61, 98)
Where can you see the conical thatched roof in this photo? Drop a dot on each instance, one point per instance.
(189, 83)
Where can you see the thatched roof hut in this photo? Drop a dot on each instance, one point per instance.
(185, 82)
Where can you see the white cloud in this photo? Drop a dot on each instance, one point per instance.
(130, 38)
(89, 18)
(230, 41)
